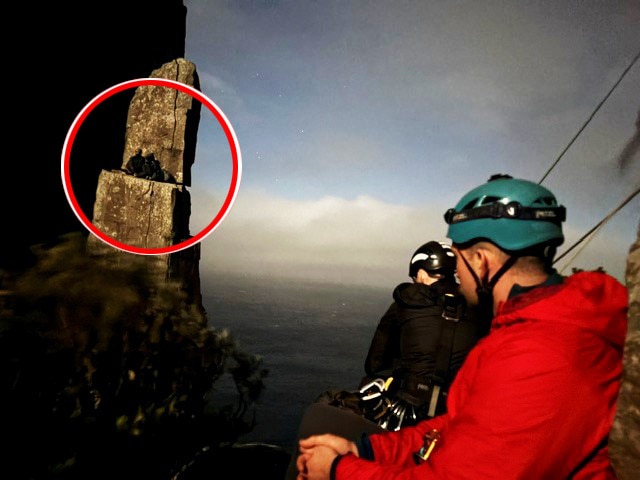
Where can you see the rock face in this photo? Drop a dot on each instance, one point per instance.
(140, 212)
(145, 213)
(624, 441)
(162, 121)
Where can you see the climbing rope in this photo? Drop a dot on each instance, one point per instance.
(590, 117)
(596, 228)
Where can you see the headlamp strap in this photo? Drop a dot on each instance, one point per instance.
(511, 210)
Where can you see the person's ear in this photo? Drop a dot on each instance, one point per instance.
(481, 260)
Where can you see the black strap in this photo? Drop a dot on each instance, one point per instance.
(487, 287)
(506, 266)
(443, 361)
(451, 315)
(512, 210)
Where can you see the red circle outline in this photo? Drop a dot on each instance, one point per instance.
(222, 120)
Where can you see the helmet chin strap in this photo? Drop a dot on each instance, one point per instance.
(484, 290)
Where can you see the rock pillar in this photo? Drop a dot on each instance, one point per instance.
(137, 209)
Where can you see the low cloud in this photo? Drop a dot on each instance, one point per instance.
(355, 241)
(362, 240)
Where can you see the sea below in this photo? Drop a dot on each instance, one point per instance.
(310, 336)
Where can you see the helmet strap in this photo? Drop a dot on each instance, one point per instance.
(506, 266)
(484, 290)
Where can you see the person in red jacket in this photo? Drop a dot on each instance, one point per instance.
(536, 397)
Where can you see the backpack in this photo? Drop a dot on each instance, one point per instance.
(381, 400)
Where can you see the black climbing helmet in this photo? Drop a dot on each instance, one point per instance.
(435, 258)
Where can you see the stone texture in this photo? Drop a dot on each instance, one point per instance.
(141, 213)
(164, 120)
(632, 277)
(624, 441)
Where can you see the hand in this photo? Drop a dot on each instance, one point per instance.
(341, 446)
(318, 453)
(315, 463)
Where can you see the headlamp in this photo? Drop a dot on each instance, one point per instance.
(513, 210)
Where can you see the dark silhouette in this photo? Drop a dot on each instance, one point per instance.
(147, 167)
(135, 164)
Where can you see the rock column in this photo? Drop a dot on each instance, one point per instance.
(139, 211)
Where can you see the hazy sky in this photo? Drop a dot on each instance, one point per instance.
(360, 122)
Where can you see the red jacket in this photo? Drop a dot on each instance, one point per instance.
(535, 399)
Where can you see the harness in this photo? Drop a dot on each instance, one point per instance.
(452, 312)
(390, 412)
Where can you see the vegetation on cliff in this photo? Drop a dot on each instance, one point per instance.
(107, 373)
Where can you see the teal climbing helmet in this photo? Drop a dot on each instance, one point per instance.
(514, 214)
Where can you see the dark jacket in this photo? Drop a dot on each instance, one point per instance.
(409, 336)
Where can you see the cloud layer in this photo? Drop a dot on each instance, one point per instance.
(361, 241)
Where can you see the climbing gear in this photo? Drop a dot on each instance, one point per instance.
(519, 216)
(430, 441)
(452, 312)
(514, 214)
(394, 409)
(399, 405)
(375, 390)
(397, 413)
(433, 257)
(453, 307)
(389, 412)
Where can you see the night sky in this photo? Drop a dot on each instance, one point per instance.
(361, 122)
